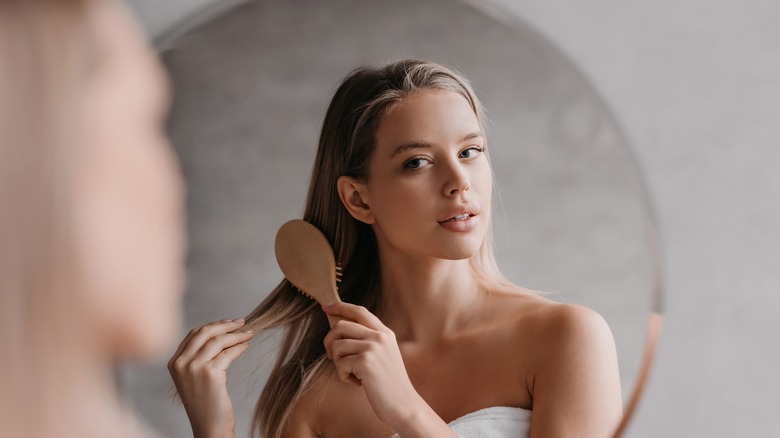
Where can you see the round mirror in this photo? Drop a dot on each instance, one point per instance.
(252, 82)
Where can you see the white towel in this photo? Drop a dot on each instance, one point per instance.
(493, 422)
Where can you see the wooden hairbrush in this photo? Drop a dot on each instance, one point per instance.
(306, 259)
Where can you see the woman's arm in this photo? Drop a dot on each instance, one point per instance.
(576, 383)
(366, 353)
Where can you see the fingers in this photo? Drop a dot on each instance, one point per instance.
(199, 371)
(217, 344)
(346, 329)
(189, 336)
(356, 313)
(200, 335)
(347, 369)
(228, 355)
(358, 343)
(342, 348)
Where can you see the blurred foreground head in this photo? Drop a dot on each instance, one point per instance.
(91, 213)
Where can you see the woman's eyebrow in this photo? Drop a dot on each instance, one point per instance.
(409, 146)
(425, 145)
(471, 136)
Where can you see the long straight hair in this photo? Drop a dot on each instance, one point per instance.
(346, 144)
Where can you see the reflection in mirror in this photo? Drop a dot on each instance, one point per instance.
(253, 81)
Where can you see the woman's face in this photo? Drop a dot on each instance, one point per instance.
(430, 182)
(129, 204)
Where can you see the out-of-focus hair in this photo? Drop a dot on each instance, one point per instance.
(46, 55)
(346, 144)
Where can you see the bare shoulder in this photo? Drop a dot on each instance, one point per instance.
(551, 321)
(558, 331)
(571, 324)
(575, 381)
(569, 363)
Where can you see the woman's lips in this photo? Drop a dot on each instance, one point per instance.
(459, 217)
(458, 224)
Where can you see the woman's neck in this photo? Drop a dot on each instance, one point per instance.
(86, 400)
(426, 299)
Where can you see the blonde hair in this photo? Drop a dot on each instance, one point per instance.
(48, 54)
(346, 144)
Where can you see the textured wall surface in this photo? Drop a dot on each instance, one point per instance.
(696, 87)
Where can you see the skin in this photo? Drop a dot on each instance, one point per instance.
(128, 226)
(445, 342)
(130, 194)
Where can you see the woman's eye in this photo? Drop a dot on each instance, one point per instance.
(415, 163)
(471, 152)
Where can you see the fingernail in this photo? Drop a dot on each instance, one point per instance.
(226, 320)
(238, 320)
(249, 331)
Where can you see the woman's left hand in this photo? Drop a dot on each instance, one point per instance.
(366, 353)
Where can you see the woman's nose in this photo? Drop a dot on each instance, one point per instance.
(457, 180)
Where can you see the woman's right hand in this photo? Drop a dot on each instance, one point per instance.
(199, 371)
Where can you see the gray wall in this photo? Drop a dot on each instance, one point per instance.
(696, 86)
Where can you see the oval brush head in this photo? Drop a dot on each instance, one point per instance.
(306, 259)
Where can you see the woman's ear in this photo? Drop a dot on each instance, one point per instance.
(353, 195)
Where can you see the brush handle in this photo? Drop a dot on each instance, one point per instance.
(332, 319)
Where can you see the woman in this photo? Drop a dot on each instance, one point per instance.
(402, 189)
(91, 216)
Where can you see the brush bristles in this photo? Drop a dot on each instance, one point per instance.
(339, 273)
(307, 295)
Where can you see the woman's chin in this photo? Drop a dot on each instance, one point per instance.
(459, 251)
(150, 340)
